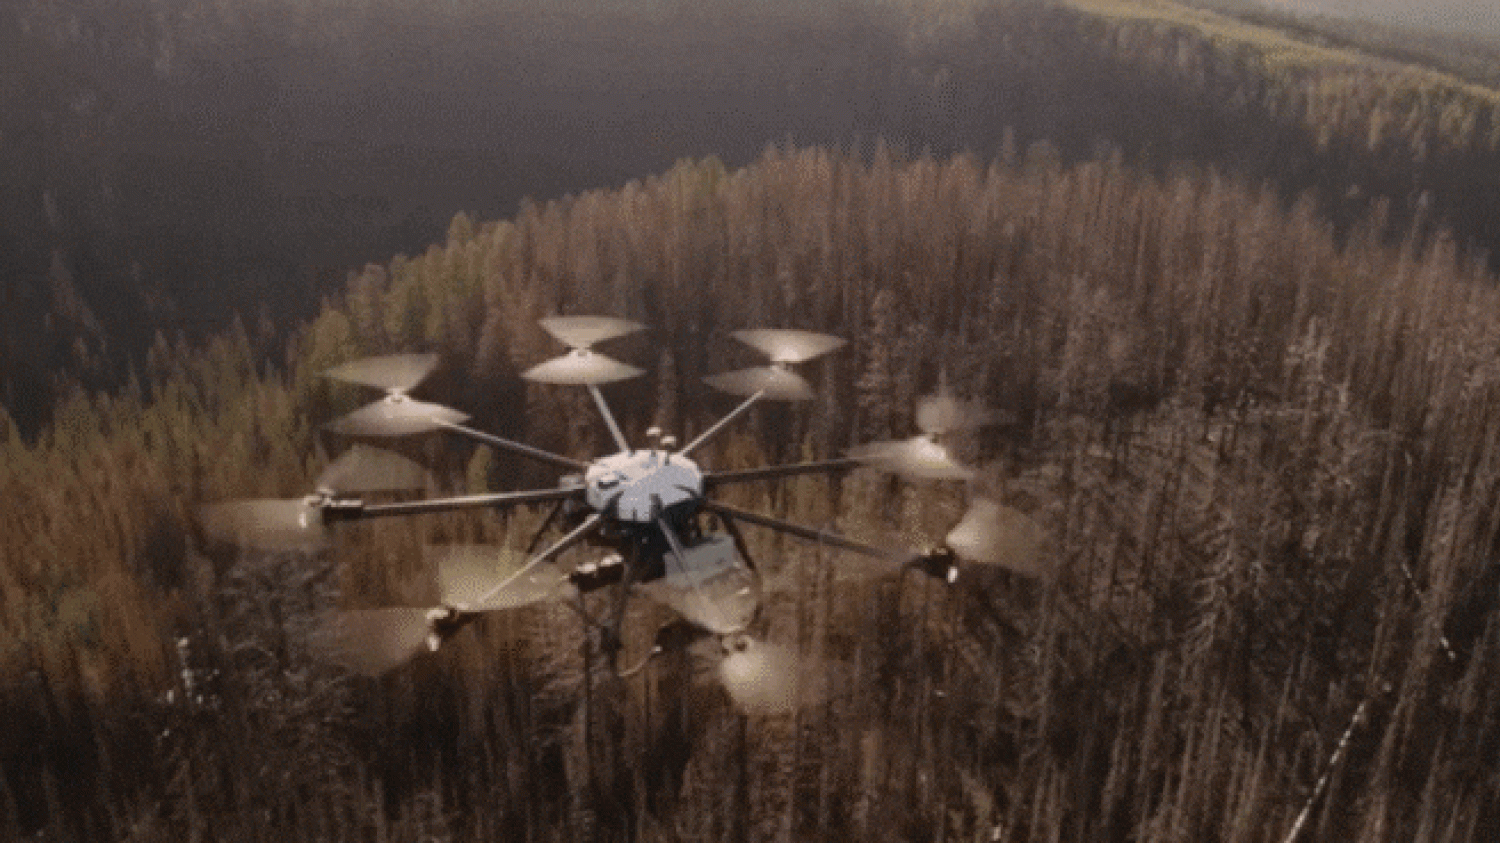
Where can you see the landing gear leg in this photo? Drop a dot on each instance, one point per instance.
(609, 634)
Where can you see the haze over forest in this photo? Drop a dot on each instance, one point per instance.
(1228, 271)
(170, 164)
(1475, 17)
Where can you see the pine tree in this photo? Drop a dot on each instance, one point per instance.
(875, 389)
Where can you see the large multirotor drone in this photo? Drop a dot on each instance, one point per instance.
(651, 509)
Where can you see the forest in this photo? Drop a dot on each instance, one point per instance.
(1229, 277)
(173, 163)
(1266, 461)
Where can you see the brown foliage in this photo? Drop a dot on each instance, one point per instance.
(1240, 434)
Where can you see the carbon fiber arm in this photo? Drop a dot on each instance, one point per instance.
(807, 533)
(515, 447)
(353, 509)
(720, 478)
(939, 563)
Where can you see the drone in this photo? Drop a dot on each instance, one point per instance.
(650, 508)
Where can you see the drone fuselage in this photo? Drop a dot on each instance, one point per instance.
(636, 487)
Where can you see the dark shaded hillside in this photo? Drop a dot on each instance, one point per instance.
(248, 169)
(1268, 463)
(175, 168)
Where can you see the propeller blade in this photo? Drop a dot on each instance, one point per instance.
(277, 525)
(396, 415)
(919, 457)
(581, 332)
(777, 383)
(707, 584)
(468, 573)
(393, 372)
(942, 413)
(581, 367)
(784, 345)
(769, 679)
(993, 534)
(373, 641)
(366, 469)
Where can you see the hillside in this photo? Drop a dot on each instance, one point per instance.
(1266, 457)
(1339, 80)
(169, 167)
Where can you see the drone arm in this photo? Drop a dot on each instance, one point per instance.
(354, 509)
(719, 478)
(536, 537)
(609, 418)
(577, 535)
(524, 450)
(736, 514)
(721, 423)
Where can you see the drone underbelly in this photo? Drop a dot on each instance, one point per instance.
(710, 585)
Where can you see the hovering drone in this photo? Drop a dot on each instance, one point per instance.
(650, 508)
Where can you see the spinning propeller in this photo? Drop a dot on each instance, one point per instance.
(473, 580)
(764, 678)
(925, 457)
(298, 524)
(784, 348)
(582, 366)
(398, 414)
(481, 578)
(709, 587)
(374, 641)
(991, 533)
(917, 458)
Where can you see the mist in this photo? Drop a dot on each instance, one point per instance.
(1472, 17)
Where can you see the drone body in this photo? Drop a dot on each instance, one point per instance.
(645, 505)
(639, 485)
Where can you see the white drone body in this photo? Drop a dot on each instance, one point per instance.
(640, 485)
(645, 504)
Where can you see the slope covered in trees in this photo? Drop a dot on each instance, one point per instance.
(172, 163)
(1267, 460)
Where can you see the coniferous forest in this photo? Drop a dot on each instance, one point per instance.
(1257, 418)
(172, 163)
